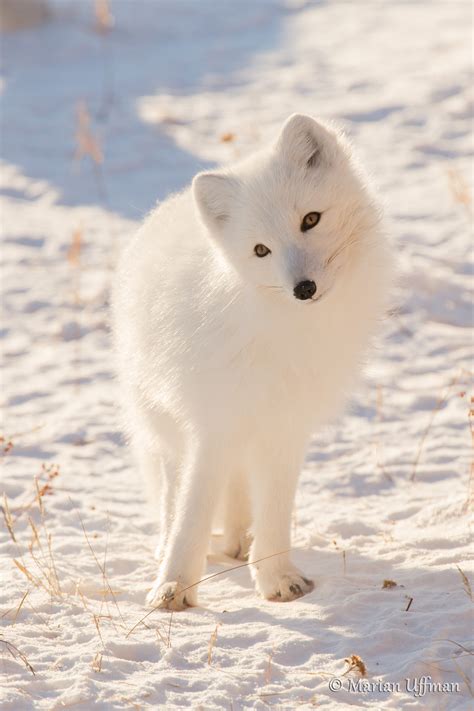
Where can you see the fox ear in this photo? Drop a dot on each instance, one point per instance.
(304, 140)
(214, 194)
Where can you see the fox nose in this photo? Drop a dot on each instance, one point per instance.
(305, 290)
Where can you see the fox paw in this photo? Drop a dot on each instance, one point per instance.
(171, 596)
(283, 586)
(238, 546)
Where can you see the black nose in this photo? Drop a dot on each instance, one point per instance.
(305, 290)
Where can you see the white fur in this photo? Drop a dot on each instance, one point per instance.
(225, 373)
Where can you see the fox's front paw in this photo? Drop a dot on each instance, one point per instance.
(237, 544)
(171, 596)
(283, 586)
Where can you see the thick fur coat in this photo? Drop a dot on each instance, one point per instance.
(243, 310)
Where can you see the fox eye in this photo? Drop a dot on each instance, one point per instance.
(310, 220)
(261, 251)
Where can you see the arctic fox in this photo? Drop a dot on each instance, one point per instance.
(243, 309)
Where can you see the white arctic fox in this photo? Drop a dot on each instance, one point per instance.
(243, 309)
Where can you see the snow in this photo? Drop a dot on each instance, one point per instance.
(384, 494)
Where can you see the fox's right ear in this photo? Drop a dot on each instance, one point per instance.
(214, 194)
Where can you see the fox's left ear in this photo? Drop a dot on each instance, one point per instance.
(214, 194)
(306, 141)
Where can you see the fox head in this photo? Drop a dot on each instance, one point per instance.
(294, 217)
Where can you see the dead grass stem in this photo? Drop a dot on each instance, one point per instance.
(212, 641)
(466, 583)
(8, 518)
(101, 568)
(15, 652)
(440, 403)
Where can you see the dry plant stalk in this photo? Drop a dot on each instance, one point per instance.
(35, 537)
(97, 662)
(470, 486)
(87, 143)
(15, 652)
(460, 190)
(29, 575)
(74, 251)
(268, 668)
(442, 399)
(355, 664)
(104, 20)
(8, 518)
(101, 568)
(166, 642)
(51, 471)
(46, 575)
(41, 488)
(378, 446)
(212, 642)
(49, 570)
(17, 612)
(465, 679)
(6, 445)
(97, 626)
(466, 583)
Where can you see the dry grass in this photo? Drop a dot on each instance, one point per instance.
(269, 668)
(469, 504)
(344, 556)
(465, 678)
(355, 664)
(102, 568)
(36, 562)
(8, 518)
(43, 486)
(440, 403)
(75, 249)
(212, 641)
(22, 601)
(466, 584)
(378, 445)
(88, 144)
(459, 189)
(97, 662)
(104, 20)
(15, 652)
(40, 570)
(6, 445)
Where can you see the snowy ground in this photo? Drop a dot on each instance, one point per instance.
(174, 87)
